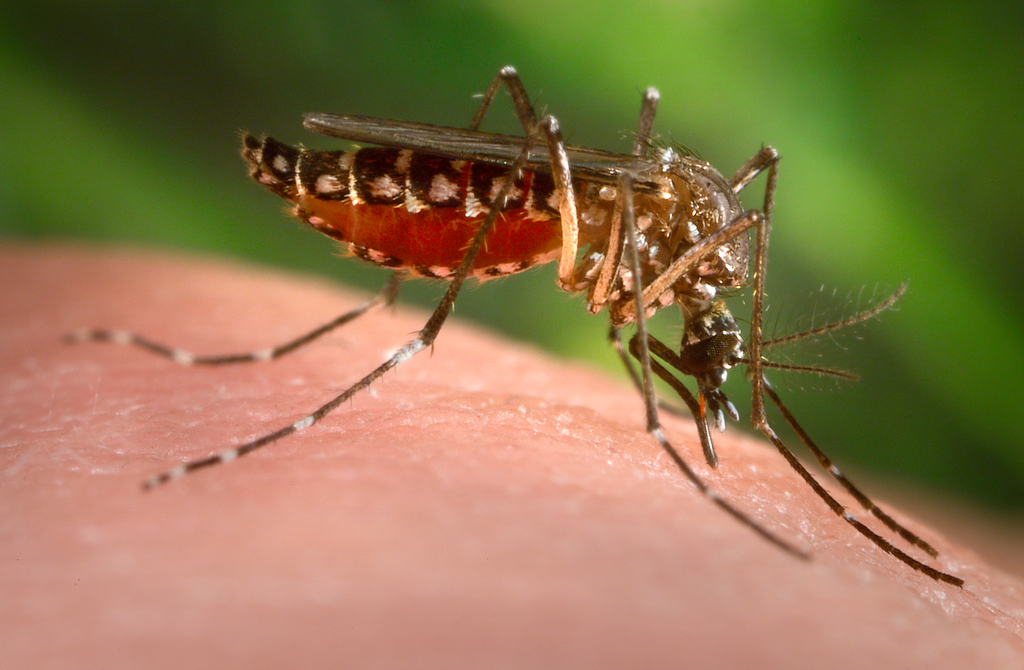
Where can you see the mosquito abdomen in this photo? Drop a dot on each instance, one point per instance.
(409, 210)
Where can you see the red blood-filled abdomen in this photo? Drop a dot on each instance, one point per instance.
(436, 237)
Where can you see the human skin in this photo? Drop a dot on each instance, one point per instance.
(482, 506)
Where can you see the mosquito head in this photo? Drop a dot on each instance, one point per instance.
(712, 344)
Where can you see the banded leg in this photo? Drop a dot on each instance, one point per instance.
(766, 159)
(711, 401)
(703, 428)
(424, 339)
(561, 173)
(838, 508)
(520, 99)
(603, 286)
(823, 460)
(699, 415)
(826, 463)
(560, 170)
(643, 355)
(664, 352)
(384, 297)
(623, 240)
(625, 357)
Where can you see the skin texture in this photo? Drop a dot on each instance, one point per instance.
(483, 506)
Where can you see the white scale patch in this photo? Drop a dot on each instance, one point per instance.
(182, 357)
(378, 257)
(597, 259)
(384, 187)
(121, 337)
(353, 191)
(327, 184)
(553, 201)
(404, 161)
(496, 186)
(473, 205)
(440, 271)
(280, 164)
(507, 268)
(311, 219)
(442, 189)
(691, 234)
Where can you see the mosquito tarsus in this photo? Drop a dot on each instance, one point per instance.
(657, 227)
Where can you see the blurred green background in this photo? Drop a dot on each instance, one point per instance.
(899, 128)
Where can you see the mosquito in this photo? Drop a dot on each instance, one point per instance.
(636, 233)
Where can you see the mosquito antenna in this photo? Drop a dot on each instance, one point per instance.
(811, 369)
(843, 323)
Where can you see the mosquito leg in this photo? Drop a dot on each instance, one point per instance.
(605, 282)
(562, 177)
(648, 108)
(384, 297)
(837, 474)
(615, 338)
(425, 338)
(560, 170)
(647, 383)
(758, 163)
(809, 443)
(520, 99)
(766, 159)
(684, 262)
(697, 411)
(841, 511)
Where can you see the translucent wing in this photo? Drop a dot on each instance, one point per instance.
(473, 145)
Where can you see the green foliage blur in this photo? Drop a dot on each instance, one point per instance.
(898, 125)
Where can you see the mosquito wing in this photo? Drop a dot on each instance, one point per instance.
(473, 145)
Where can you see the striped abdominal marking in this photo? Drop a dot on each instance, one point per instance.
(408, 210)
